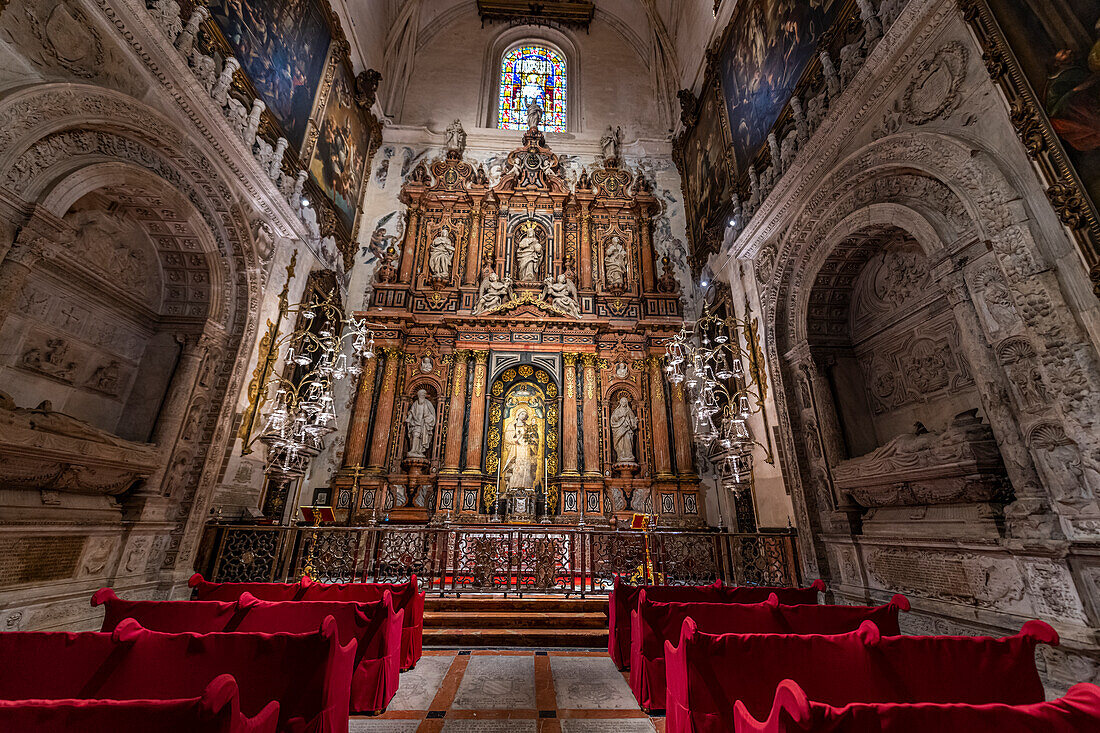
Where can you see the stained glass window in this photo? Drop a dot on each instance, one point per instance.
(532, 72)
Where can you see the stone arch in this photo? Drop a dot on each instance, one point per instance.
(61, 141)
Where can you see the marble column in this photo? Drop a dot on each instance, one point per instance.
(360, 421)
(380, 439)
(456, 414)
(477, 414)
(645, 226)
(585, 263)
(681, 431)
(408, 249)
(569, 418)
(592, 464)
(662, 451)
(473, 248)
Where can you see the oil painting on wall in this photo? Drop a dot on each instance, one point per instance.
(341, 151)
(708, 178)
(282, 46)
(1057, 43)
(769, 45)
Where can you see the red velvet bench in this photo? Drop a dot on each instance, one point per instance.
(793, 712)
(624, 599)
(374, 627)
(216, 710)
(406, 597)
(708, 673)
(655, 623)
(308, 674)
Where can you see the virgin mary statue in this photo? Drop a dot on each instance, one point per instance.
(522, 439)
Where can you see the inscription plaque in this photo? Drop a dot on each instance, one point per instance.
(38, 559)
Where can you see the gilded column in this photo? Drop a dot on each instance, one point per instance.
(356, 445)
(473, 249)
(477, 414)
(380, 439)
(681, 431)
(409, 248)
(569, 418)
(586, 247)
(456, 414)
(662, 451)
(592, 463)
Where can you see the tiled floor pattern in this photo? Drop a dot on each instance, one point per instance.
(512, 692)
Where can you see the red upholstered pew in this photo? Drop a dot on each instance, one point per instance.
(708, 673)
(406, 597)
(793, 712)
(308, 674)
(215, 710)
(655, 623)
(624, 599)
(374, 627)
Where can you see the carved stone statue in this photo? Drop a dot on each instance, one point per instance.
(456, 139)
(441, 254)
(529, 254)
(562, 293)
(614, 264)
(493, 292)
(534, 115)
(421, 425)
(624, 423)
(611, 143)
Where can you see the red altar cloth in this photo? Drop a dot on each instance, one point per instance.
(707, 673)
(624, 599)
(308, 674)
(216, 710)
(793, 712)
(656, 623)
(374, 627)
(406, 597)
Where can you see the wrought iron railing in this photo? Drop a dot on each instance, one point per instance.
(495, 559)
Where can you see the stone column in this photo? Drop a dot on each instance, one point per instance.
(193, 348)
(477, 414)
(645, 227)
(569, 418)
(585, 264)
(662, 453)
(1032, 509)
(408, 250)
(681, 431)
(473, 250)
(593, 466)
(380, 439)
(356, 445)
(456, 414)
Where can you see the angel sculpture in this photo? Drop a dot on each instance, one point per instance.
(493, 292)
(562, 294)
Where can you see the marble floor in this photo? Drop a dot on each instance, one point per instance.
(527, 691)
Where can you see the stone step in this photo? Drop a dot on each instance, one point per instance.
(515, 620)
(484, 604)
(479, 638)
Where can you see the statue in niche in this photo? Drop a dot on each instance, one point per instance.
(534, 115)
(456, 139)
(997, 301)
(529, 253)
(624, 423)
(441, 254)
(611, 143)
(421, 425)
(426, 365)
(562, 293)
(523, 440)
(493, 292)
(614, 264)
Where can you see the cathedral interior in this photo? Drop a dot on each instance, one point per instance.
(516, 300)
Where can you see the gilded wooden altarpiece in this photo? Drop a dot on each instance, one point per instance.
(571, 362)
